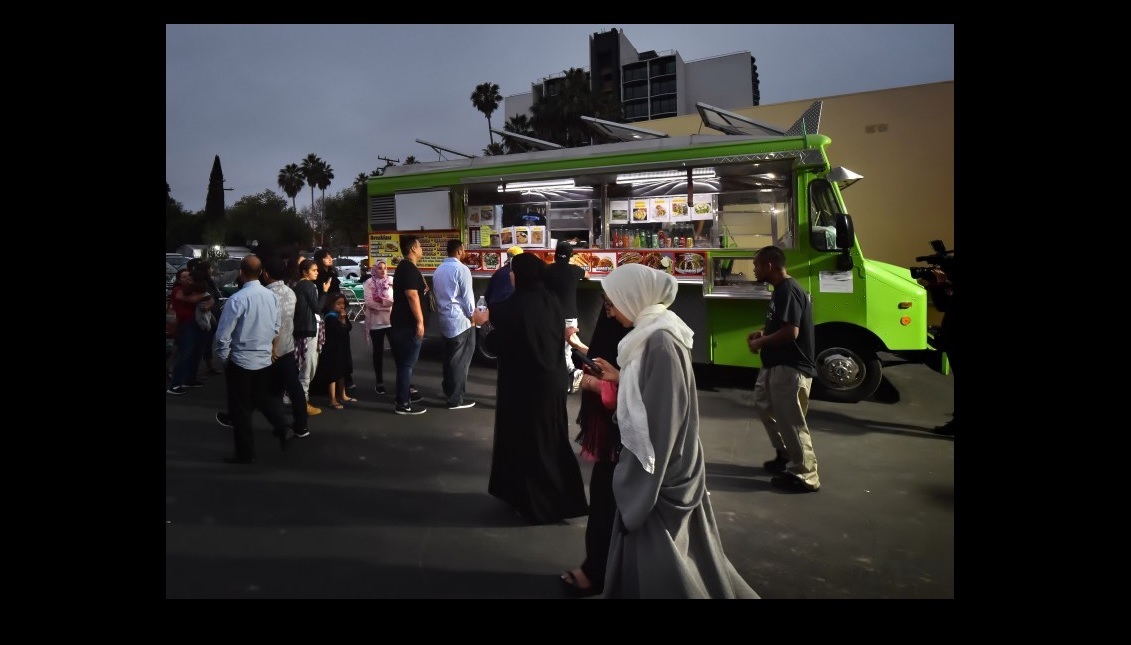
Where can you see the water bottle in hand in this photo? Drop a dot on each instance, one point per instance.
(481, 305)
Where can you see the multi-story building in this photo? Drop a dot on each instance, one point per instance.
(654, 85)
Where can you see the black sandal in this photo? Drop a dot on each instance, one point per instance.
(570, 583)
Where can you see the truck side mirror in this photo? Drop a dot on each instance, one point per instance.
(845, 236)
(845, 233)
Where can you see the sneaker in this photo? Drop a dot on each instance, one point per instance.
(792, 483)
(415, 396)
(575, 385)
(301, 432)
(193, 384)
(412, 389)
(380, 389)
(224, 419)
(408, 409)
(311, 410)
(351, 386)
(286, 399)
(462, 406)
(777, 464)
(180, 389)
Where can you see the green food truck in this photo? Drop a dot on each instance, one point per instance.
(697, 207)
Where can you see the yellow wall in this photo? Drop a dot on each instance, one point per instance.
(906, 198)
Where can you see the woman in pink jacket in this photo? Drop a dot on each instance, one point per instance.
(378, 306)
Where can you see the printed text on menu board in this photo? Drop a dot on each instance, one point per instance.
(386, 245)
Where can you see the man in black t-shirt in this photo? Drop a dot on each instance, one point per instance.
(562, 278)
(781, 395)
(407, 320)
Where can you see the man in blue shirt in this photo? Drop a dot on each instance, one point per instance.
(245, 336)
(455, 303)
(500, 287)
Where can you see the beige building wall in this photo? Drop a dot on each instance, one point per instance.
(901, 140)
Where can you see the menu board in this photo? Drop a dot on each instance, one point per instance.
(386, 245)
(659, 209)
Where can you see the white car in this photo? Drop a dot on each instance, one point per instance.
(348, 268)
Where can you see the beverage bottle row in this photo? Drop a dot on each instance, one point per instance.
(681, 236)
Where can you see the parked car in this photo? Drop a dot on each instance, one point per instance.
(348, 268)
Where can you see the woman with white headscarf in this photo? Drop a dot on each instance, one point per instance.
(665, 541)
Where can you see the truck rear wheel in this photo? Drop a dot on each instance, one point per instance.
(846, 374)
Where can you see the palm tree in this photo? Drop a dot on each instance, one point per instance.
(361, 182)
(409, 160)
(494, 149)
(324, 180)
(518, 124)
(312, 172)
(486, 99)
(291, 181)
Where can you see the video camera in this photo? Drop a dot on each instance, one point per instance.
(938, 278)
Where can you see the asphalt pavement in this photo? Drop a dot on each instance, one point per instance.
(376, 505)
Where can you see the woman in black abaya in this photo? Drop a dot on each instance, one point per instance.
(533, 467)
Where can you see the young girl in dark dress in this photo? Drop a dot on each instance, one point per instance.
(600, 444)
(333, 362)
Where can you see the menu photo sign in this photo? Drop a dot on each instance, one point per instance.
(660, 209)
(703, 207)
(679, 209)
(618, 211)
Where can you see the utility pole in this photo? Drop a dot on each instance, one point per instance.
(388, 162)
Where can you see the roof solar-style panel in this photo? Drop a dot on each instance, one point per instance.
(537, 144)
(622, 131)
(731, 123)
(440, 150)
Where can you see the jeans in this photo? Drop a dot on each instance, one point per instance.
(406, 349)
(189, 337)
(458, 352)
(377, 341)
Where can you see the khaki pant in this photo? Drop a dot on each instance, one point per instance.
(781, 397)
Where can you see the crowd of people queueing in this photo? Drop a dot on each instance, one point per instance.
(651, 530)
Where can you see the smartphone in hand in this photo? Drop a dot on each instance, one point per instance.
(587, 361)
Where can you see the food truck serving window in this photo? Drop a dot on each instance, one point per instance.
(423, 210)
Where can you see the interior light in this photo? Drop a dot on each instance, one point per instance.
(553, 184)
(665, 175)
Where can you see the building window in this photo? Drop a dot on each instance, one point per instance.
(665, 86)
(635, 73)
(662, 106)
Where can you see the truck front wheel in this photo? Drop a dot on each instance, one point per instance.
(845, 374)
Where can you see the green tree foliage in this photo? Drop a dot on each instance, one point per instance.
(214, 200)
(486, 99)
(291, 181)
(409, 160)
(557, 117)
(494, 149)
(266, 219)
(347, 219)
(181, 226)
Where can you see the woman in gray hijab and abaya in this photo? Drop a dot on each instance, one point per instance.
(665, 540)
